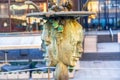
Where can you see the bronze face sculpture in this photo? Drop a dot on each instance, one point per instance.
(63, 39)
(62, 36)
(65, 45)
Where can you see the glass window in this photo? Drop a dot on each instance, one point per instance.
(3, 10)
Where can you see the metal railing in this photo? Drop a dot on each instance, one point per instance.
(111, 33)
(28, 73)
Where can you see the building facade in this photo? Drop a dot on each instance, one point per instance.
(107, 14)
(13, 14)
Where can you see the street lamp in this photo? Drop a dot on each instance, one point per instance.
(32, 3)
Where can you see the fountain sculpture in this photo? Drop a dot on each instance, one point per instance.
(62, 36)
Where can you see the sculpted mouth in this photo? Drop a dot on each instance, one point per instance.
(46, 57)
(76, 58)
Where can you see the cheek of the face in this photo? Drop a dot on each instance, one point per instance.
(66, 54)
(52, 57)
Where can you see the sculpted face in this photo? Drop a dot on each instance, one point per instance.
(71, 45)
(65, 46)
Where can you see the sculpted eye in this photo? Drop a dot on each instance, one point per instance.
(73, 43)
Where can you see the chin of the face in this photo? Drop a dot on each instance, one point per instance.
(72, 63)
(74, 60)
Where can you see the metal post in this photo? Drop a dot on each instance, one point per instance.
(9, 14)
(116, 13)
(47, 5)
(108, 16)
(6, 60)
(105, 14)
(48, 73)
(78, 5)
(107, 19)
(99, 26)
(28, 27)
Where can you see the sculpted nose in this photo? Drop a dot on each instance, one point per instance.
(80, 50)
(47, 41)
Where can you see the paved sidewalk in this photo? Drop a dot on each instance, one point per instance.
(89, 70)
(104, 47)
(92, 70)
(101, 32)
(90, 44)
(108, 47)
(98, 70)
